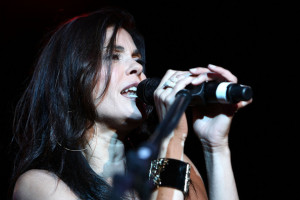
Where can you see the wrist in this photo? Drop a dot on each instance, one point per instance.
(216, 149)
(217, 160)
(172, 148)
(220, 176)
(217, 154)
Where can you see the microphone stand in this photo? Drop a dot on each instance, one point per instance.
(138, 162)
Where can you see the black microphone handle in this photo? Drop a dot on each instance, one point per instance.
(207, 92)
(219, 92)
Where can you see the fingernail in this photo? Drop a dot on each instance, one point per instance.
(212, 66)
(193, 70)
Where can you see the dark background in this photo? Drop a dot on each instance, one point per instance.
(255, 40)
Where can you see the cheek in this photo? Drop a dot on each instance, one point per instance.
(98, 90)
(143, 76)
(110, 92)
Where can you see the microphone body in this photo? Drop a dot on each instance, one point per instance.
(205, 93)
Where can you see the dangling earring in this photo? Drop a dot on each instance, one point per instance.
(70, 149)
(76, 149)
(95, 128)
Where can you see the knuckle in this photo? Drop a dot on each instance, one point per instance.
(169, 99)
(156, 94)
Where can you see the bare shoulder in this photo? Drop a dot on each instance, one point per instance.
(41, 184)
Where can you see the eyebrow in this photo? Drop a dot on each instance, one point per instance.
(119, 48)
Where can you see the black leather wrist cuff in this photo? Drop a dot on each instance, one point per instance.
(167, 172)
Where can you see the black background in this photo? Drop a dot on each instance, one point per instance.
(254, 40)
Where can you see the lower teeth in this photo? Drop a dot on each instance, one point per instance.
(132, 95)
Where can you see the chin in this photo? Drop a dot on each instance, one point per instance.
(135, 117)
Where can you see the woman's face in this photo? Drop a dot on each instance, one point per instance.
(119, 108)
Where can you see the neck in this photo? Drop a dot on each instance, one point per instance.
(105, 152)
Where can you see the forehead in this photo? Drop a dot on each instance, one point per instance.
(123, 38)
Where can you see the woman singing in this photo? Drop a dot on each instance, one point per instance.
(80, 111)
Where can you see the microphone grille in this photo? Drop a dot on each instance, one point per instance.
(146, 89)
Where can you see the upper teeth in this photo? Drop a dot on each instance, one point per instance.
(132, 89)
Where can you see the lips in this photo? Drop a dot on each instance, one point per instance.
(130, 91)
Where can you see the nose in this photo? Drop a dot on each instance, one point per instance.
(135, 68)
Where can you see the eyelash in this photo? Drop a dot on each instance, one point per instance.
(116, 56)
(140, 61)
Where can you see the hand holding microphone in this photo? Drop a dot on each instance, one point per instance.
(214, 87)
(207, 92)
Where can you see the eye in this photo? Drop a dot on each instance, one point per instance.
(140, 61)
(138, 58)
(115, 56)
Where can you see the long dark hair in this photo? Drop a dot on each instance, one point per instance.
(57, 107)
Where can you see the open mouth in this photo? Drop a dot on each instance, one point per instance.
(130, 92)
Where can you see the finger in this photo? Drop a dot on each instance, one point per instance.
(184, 75)
(174, 78)
(170, 74)
(181, 84)
(166, 87)
(198, 70)
(160, 102)
(162, 98)
(243, 104)
(216, 76)
(201, 78)
(159, 96)
(223, 72)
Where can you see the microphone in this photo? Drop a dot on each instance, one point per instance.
(207, 92)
